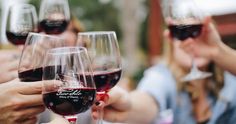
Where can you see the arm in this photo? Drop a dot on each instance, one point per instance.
(144, 108)
(225, 58)
(134, 107)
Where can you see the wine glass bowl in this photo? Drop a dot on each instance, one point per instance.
(104, 53)
(22, 19)
(54, 16)
(68, 89)
(33, 54)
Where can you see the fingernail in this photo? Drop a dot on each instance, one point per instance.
(97, 103)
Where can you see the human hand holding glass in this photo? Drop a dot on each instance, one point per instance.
(184, 21)
(104, 52)
(68, 87)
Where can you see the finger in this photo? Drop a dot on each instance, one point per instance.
(97, 108)
(167, 35)
(29, 112)
(5, 77)
(186, 43)
(206, 27)
(28, 121)
(9, 66)
(8, 55)
(29, 88)
(30, 100)
(112, 115)
(119, 99)
(207, 20)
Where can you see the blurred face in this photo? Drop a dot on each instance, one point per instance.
(184, 59)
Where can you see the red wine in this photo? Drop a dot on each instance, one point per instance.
(31, 75)
(104, 81)
(182, 32)
(36, 74)
(70, 101)
(17, 38)
(53, 26)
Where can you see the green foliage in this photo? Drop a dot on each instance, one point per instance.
(94, 15)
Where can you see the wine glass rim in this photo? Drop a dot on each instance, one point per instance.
(66, 50)
(44, 35)
(25, 5)
(96, 33)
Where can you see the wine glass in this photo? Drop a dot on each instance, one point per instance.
(54, 16)
(68, 86)
(105, 56)
(31, 61)
(184, 20)
(22, 19)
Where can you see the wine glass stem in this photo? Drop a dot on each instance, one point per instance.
(72, 122)
(100, 116)
(194, 66)
(71, 119)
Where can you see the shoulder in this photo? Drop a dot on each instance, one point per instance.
(158, 76)
(158, 70)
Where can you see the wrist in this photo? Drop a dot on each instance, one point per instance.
(218, 51)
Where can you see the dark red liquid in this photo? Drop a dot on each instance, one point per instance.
(31, 75)
(104, 81)
(182, 32)
(36, 74)
(70, 101)
(17, 38)
(53, 26)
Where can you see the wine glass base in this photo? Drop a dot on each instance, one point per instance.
(196, 76)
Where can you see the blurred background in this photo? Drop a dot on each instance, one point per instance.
(138, 24)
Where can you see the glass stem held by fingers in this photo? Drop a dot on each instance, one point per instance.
(102, 98)
(71, 119)
(195, 73)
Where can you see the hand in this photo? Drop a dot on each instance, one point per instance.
(21, 102)
(9, 61)
(207, 45)
(58, 120)
(116, 108)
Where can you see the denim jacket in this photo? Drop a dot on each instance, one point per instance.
(159, 82)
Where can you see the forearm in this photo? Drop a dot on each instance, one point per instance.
(225, 57)
(144, 109)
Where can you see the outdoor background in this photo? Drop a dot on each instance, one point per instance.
(138, 24)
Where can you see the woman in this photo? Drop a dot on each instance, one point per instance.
(207, 101)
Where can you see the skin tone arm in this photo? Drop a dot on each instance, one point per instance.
(210, 45)
(134, 107)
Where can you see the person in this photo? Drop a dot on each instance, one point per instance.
(70, 34)
(21, 102)
(210, 45)
(162, 97)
